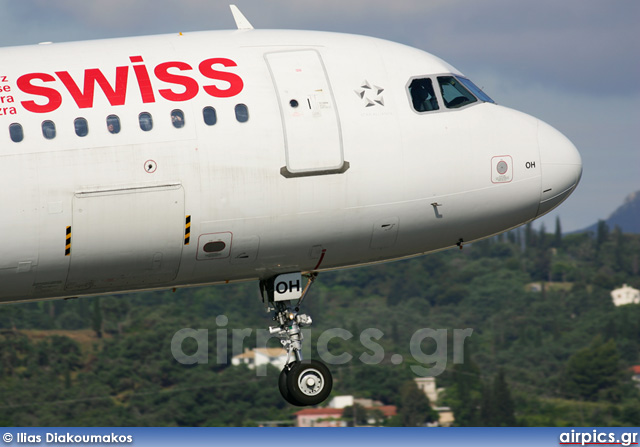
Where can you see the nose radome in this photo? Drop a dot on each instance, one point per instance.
(561, 167)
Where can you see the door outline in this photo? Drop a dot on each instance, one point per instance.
(101, 219)
(287, 171)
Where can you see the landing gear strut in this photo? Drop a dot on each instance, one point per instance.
(301, 382)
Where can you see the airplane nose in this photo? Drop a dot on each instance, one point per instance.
(561, 167)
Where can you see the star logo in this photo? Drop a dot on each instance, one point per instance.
(370, 94)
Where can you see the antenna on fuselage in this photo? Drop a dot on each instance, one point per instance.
(241, 20)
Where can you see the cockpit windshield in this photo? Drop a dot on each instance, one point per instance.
(454, 94)
(477, 91)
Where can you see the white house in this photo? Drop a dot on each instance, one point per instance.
(261, 356)
(428, 387)
(341, 402)
(625, 295)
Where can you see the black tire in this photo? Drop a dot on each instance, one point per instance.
(282, 385)
(309, 382)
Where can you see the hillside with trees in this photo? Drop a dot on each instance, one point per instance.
(548, 346)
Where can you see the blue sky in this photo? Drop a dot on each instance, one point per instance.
(572, 63)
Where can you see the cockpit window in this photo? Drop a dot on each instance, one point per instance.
(454, 94)
(482, 96)
(423, 98)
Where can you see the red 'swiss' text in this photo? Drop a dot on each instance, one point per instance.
(47, 86)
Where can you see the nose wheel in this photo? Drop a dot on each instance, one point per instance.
(305, 383)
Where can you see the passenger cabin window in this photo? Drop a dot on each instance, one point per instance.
(49, 129)
(454, 94)
(242, 113)
(423, 97)
(16, 132)
(113, 124)
(81, 126)
(146, 122)
(177, 118)
(209, 115)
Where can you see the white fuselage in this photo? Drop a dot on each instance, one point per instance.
(333, 168)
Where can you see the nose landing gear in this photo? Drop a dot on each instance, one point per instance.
(301, 382)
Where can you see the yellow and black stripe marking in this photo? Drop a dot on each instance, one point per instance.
(187, 230)
(67, 248)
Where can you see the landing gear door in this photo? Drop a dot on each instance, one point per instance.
(312, 134)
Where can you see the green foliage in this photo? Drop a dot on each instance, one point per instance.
(498, 407)
(593, 371)
(355, 415)
(108, 361)
(466, 392)
(96, 318)
(414, 408)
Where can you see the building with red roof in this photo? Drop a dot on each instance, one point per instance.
(332, 417)
(320, 417)
(635, 370)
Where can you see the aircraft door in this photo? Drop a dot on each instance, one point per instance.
(312, 134)
(126, 237)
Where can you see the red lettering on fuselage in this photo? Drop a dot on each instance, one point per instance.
(176, 73)
(93, 76)
(54, 98)
(190, 85)
(8, 111)
(6, 99)
(146, 90)
(235, 81)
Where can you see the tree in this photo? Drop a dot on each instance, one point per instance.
(355, 415)
(96, 318)
(618, 250)
(486, 407)
(593, 370)
(602, 234)
(631, 413)
(542, 236)
(503, 406)
(497, 407)
(529, 236)
(414, 409)
(557, 238)
(465, 394)
(115, 311)
(542, 265)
